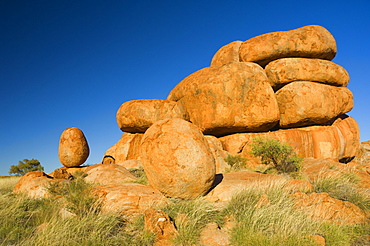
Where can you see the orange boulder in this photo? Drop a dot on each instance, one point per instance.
(226, 54)
(286, 70)
(138, 115)
(309, 41)
(306, 103)
(73, 147)
(235, 97)
(177, 159)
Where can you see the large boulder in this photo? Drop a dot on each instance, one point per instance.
(226, 54)
(307, 103)
(127, 148)
(138, 115)
(337, 141)
(286, 70)
(128, 199)
(236, 97)
(73, 147)
(177, 159)
(309, 42)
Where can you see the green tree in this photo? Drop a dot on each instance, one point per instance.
(280, 155)
(26, 166)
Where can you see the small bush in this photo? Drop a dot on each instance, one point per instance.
(280, 155)
(236, 162)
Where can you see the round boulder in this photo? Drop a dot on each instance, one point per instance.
(177, 159)
(73, 147)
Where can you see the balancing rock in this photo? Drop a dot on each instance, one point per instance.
(73, 147)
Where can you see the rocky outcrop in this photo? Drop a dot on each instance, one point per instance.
(159, 223)
(128, 199)
(106, 174)
(306, 103)
(286, 70)
(308, 42)
(34, 184)
(177, 159)
(138, 115)
(236, 97)
(73, 147)
(320, 206)
(337, 141)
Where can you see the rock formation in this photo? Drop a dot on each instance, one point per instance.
(281, 85)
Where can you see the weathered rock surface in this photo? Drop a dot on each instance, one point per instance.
(320, 206)
(73, 147)
(128, 198)
(228, 184)
(138, 115)
(212, 235)
(106, 174)
(127, 148)
(226, 54)
(307, 103)
(177, 159)
(33, 184)
(286, 70)
(219, 154)
(337, 141)
(236, 97)
(159, 223)
(309, 42)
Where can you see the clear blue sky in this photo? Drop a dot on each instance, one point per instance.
(70, 63)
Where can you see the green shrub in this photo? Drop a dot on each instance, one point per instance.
(280, 155)
(236, 162)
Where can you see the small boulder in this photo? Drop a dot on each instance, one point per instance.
(177, 159)
(73, 147)
(306, 103)
(219, 154)
(159, 223)
(226, 54)
(138, 115)
(212, 235)
(236, 97)
(309, 41)
(286, 70)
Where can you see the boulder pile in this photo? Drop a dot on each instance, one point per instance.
(281, 85)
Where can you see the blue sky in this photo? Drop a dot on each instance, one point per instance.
(70, 63)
